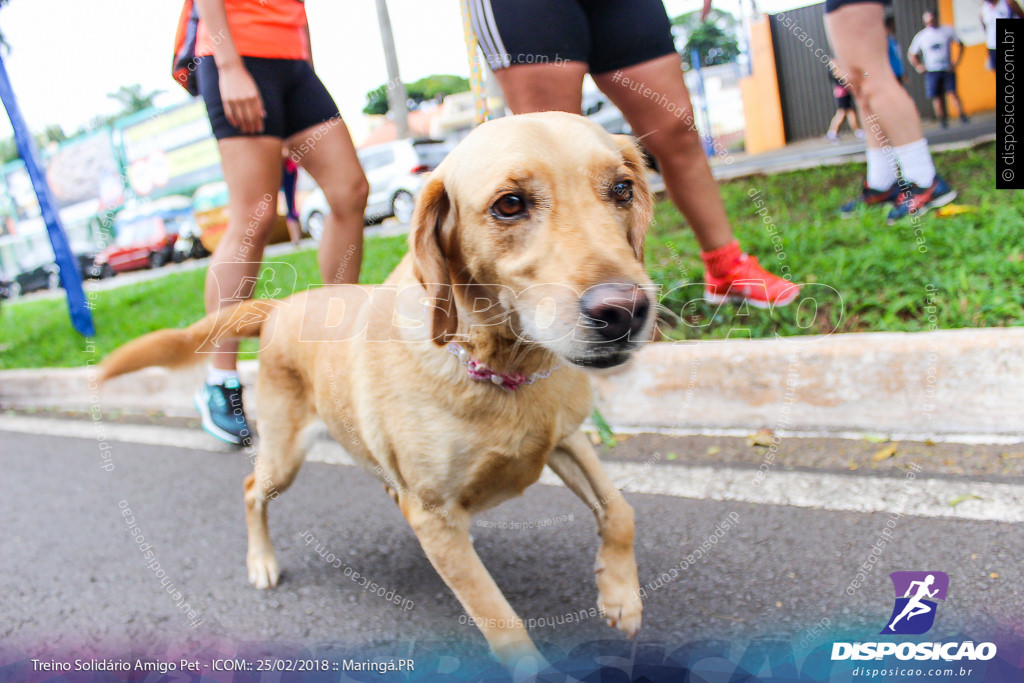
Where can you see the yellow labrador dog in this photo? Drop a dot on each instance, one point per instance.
(462, 376)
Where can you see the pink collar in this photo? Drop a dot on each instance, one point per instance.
(508, 382)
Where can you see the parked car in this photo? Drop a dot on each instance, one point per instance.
(38, 271)
(599, 109)
(395, 171)
(145, 236)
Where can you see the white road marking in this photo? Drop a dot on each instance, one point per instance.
(914, 494)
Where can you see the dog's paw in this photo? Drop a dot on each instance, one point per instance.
(263, 570)
(618, 597)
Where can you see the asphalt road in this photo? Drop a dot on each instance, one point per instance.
(72, 579)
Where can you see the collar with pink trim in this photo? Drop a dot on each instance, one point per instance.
(480, 371)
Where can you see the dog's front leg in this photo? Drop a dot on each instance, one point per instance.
(444, 535)
(575, 461)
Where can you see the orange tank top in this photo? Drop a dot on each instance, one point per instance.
(274, 29)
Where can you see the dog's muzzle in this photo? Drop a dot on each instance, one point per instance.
(615, 316)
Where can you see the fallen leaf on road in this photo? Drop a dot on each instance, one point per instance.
(959, 499)
(762, 437)
(671, 456)
(714, 450)
(884, 453)
(993, 575)
(875, 438)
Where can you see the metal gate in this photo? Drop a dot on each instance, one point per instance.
(801, 54)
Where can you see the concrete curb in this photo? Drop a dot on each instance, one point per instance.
(925, 383)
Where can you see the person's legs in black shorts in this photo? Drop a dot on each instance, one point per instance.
(604, 34)
(624, 34)
(293, 96)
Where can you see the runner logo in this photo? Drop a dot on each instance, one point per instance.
(916, 593)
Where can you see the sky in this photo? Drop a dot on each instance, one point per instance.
(67, 55)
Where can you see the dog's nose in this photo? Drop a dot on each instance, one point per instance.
(616, 310)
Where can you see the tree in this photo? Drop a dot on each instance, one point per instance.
(690, 22)
(132, 99)
(714, 39)
(434, 87)
(713, 46)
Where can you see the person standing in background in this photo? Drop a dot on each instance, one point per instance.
(289, 183)
(844, 105)
(992, 10)
(895, 53)
(931, 54)
(896, 147)
(255, 74)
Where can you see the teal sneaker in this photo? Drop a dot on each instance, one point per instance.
(220, 406)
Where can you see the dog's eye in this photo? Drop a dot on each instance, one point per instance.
(622, 192)
(509, 206)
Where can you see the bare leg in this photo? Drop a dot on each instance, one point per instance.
(959, 105)
(837, 120)
(618, 587)
(252, 171)
(333, 163)
(939, 105)
(543, 87)
(666, 127)
(857, 35)
(851, 119)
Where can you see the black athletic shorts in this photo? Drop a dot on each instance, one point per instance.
(833, 5)
(606, 34)
(292, 93)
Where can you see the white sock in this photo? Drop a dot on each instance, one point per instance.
(881, 169)
(916, 163)
(218, 376)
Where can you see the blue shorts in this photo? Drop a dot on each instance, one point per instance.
(938, 83)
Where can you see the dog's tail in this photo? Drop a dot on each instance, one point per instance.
(173, 348)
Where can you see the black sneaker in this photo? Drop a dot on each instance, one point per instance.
(220, 406)
(869, 197)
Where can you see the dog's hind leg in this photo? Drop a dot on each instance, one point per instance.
(575, 461)
(444, 536)
(282, 450)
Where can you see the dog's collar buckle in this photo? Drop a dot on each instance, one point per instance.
(480, 371)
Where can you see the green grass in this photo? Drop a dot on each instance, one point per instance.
(859, 274)
(38, 333)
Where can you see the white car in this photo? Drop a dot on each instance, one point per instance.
(395, 171)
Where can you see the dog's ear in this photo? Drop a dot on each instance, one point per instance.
(430, 243)
(642, 204)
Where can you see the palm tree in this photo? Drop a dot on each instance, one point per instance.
(132, 98)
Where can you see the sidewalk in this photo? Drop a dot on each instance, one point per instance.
(821, 152)
(958, 384)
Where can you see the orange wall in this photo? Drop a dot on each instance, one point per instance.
(762, 106)
(975, 84)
